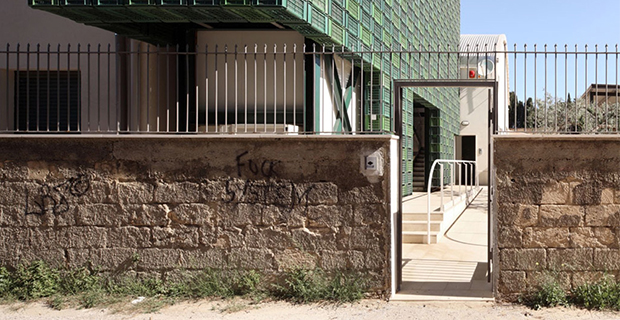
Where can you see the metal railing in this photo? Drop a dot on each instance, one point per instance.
(134, 87)
(456, 168)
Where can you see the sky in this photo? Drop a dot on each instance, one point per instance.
(571, 22)
(545, 21)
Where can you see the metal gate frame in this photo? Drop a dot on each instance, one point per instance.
(493, 87)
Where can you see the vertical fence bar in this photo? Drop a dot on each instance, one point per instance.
(69, 88)
(148, 88)
(585, 104)
(245, 87)
(167, 55)
(617, 89)
(555, 87)
(294, 84)
(158, 84)
(187, 91)
(524, 87)
(535, 89)
(545, 97)
(265, 88)
(255, 87)
(236, 92)
(28, 87)
(8, 89)
(606, 90)
(565, 87)
(285, 82)
(38, 83)
(98, 88)
(196, 86)
(79, 87)
(206, 88)
(48, 95)
(275, 87)
(57, 88)
(88, 97)
(576, 85)
(516, 102)
(595, 106)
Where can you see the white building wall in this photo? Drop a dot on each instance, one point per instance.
(20, 24)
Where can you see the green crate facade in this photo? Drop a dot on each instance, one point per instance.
(360, 25)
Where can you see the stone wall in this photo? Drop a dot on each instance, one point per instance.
(268, 204)
(558, 210)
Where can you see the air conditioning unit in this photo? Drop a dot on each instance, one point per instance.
(259, 128)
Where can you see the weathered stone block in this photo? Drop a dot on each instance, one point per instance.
(81, 237)
(175, 237)
(192, 214)
(570, 259)
(129, 237)
(54, 257)
(97, 192)
(333, 260)
(116, 259)
(363, 238)
(537, 279)
(561, 216)
(247, 258)
(198, 260)
(17, 193)
(146, 215)
(239, 214)
(329, 216)
(522, 259)
(357, 260)
(292, 259)
(603, 216)
(104, 215)
(155, 259)
(590, 277)
(361, 195)
(607, 259)
(376, 259)
(519, 190)
(511, 282)
(517, 214)
(607, 196)
(556, 193)
(597, 237)
(587, 192)
(313, 240)
(510, 237)
(270, 237)
(283, 216)
(135, 192)
(179, 192)
(546, 238)
(370, 215)
(318, 193)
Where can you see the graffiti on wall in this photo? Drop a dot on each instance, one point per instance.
(286, 194)
(54, 198)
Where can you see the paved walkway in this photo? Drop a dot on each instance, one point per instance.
(456, 267)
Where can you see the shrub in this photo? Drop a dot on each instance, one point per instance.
(603, 294)
(34, 281)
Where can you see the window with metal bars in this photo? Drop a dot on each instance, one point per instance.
(47, 101)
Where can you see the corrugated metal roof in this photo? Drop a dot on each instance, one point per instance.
(482, 42)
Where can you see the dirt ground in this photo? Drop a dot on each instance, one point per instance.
(366, 309)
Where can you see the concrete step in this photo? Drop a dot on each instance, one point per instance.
(420, 225)
(418, 237)
(435, 216)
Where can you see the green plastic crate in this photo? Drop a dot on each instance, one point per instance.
(336, 31)
(352, 24)
(251, 14)
(353, 8)
(284, 11)
(337, 13)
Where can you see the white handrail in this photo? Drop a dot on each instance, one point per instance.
(469, 166)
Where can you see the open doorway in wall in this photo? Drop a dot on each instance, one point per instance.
(466, 150)
(453, 260)
(420, 119)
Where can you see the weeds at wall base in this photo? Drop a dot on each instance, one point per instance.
(88, 288)
(600, 295)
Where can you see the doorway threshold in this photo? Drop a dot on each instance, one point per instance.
(455, 268)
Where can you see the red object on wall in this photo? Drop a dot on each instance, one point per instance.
(472, 74)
